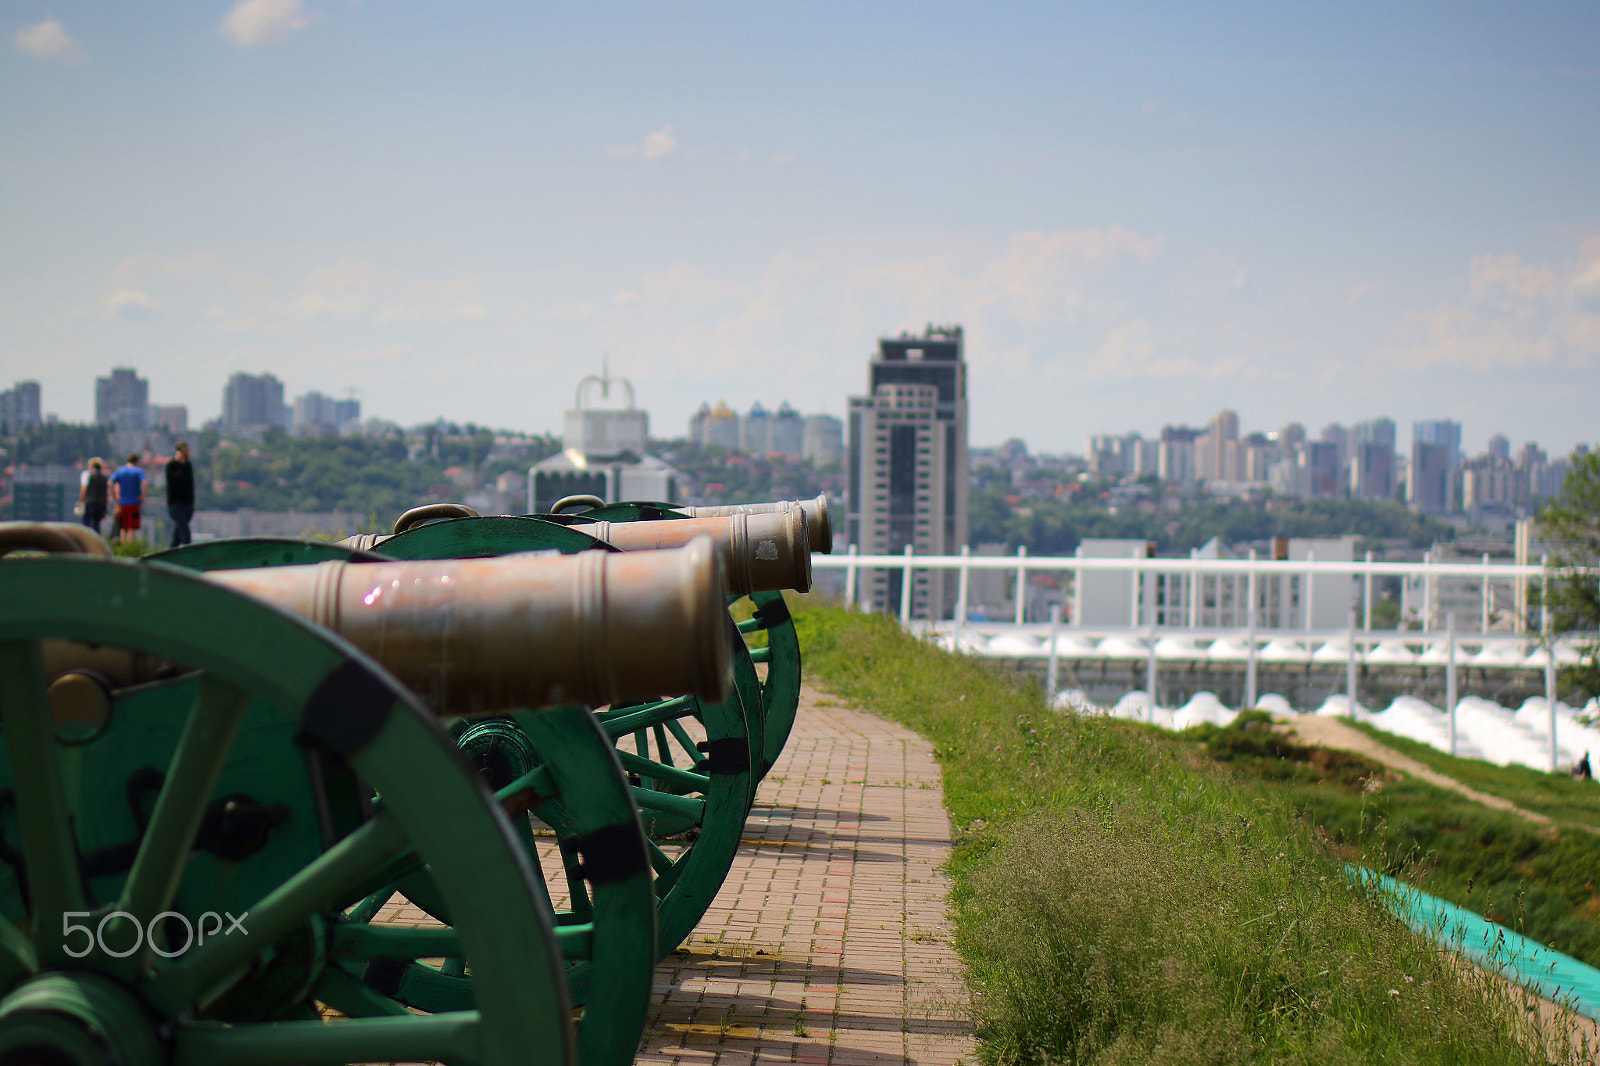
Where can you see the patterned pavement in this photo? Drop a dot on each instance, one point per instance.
(829, 943)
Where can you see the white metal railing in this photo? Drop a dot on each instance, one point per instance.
(1425, 574)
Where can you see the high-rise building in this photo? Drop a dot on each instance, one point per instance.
(1372, 470)
(908, 467)
(755, 430)
(1440, 431)
(19, 406)
(697, 424)
(252, 402)
(1500, 448)
(722, 427)
(1216, 452)
(824, 440)
(316, 414)
(122, 400)
(1428, 479)
(788, 431)
(172, 417)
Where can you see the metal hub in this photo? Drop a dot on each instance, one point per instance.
(75, 1019)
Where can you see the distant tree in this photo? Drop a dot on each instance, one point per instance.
(1571, 527)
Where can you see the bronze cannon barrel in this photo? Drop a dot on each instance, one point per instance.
(474, 636)
(761, 552)
(819, 528)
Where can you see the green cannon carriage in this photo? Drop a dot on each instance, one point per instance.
(193, 750)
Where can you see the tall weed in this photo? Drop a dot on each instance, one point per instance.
(1121, 898)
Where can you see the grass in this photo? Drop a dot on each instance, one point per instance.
(1556, 796)
(1121, 896)
(1538, 880)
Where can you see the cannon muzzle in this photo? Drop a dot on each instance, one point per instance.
(819, 530)
(761, 552)
(475, 636)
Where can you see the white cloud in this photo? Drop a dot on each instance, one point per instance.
(48, 40)
(1513, 315)
(659, 144)
(131, 305)
(358, 289)
(259, 23)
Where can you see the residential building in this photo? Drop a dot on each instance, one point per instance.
(722, 427)
(1372, 470)
(788, 432)
(603, 454)
(171, 417)
(318, 415)
(1291, 600)
(908, 467)
(755, 431)
(824, 439)
(1442, 431)
(19, 407)
(44, 493)
(1428, 479)
(253, 403)
(122, 400)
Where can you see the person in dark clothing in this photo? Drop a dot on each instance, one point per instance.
(1582, 771)
(180, 494)
(94, 495)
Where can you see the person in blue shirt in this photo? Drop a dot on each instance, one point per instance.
(130, 485)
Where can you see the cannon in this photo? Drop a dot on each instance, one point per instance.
(603, 945)
(242, 783)
(759, 552)
(771, 550)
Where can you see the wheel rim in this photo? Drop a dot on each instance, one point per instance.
(250, 656)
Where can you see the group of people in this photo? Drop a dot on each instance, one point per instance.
(122, 494)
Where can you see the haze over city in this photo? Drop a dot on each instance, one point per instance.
(1141, 213)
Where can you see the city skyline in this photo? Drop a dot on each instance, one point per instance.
(1135, 211)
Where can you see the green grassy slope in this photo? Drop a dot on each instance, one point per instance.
(1123, 896)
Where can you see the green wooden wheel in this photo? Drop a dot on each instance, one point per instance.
(572, 785)
(269, 737)
(694, 800)
(243, 553)
(607, 935)
(778, 647)
(780, 689)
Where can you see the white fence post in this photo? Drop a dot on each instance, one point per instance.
(1486, 595)
(1350, 666)
(905, 589)
(1310, 596)
(1051, 675)
(1368, 605)
(1250, 638)
(1150, 674)
(1022, 583)
(1450, 673)
(961, 591)
(850, 579)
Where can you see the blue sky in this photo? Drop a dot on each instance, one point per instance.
(1141, 213)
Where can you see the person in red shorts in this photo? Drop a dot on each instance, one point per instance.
(130, 484)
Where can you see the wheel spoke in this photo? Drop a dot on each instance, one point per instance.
(321, 882)
(685, 741)
(452, 1037)
(620, 725)
(667, 803)
(49, 848)
(202, 752)
(365, 942)
(685, 779)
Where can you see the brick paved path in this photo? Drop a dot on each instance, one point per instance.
(829, 942)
